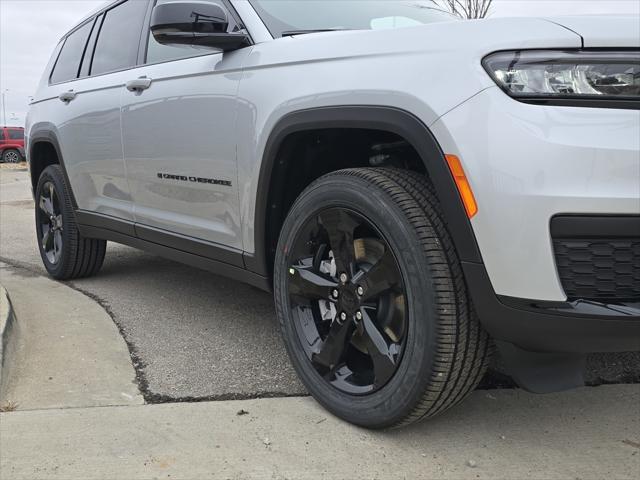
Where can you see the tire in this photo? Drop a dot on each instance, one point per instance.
(65, 253)
(11, 156)
(445, 351)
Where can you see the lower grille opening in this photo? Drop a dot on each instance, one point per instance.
(598, 256)
(602, 269)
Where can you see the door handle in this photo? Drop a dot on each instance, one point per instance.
(66, 97)
(138, 85)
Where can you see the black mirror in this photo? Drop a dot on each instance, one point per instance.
(195, 23)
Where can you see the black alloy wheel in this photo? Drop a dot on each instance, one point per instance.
(50, 224)
(348, 298)
(65, 253)
(372, 302)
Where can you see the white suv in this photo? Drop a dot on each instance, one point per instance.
(415, 189)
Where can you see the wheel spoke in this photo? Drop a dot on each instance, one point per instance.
(384, 363)
(57, 242)
(332, 349)
(46, 205)
(340, 226)
(47, 239)
(51, 194)
(306, 283)
(308, 332)
(382, 276)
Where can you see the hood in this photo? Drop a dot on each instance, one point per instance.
(475, 38)
(601, 31)
(401, 65)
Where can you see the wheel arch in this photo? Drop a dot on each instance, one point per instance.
(387, 119)
(44, 150)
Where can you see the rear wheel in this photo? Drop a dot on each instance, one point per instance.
(372, 302)
(65, 253)
(11, 156)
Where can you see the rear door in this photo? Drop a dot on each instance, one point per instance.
(87, 80)
(16, 136)
(179, 141)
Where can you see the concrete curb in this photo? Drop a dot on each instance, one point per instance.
(8, 333)
(62, 353)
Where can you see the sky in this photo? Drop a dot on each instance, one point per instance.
(30, 29)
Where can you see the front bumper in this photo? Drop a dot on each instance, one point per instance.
(572, 327)
(528, 164)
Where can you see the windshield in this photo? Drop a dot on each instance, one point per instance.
(287, 16)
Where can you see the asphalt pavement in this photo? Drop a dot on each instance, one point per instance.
(194, 335)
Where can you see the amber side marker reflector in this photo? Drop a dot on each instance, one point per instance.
(462, 183)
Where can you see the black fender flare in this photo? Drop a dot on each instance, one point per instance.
(45, 135)
(390, 119)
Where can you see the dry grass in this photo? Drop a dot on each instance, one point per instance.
(13, 166)
(8, 406)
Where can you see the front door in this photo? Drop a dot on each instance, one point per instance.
(179, 140)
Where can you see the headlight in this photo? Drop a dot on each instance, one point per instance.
(553, 74)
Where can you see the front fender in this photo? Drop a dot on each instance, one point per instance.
(393, 120)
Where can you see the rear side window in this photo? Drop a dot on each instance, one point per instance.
(1, 134)
(86, 62)
(68, 62)
(117, 45)
(16, 134)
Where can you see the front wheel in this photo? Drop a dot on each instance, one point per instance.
(372, 302)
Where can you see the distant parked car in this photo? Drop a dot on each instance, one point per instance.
(11, 144)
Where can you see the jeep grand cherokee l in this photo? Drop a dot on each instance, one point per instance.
(416, 190)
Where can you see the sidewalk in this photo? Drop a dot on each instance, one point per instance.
(590, 433)
(68, 353)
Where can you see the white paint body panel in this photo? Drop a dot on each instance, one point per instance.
(89, 133)
(212, 116)
(414, 69)
(184, 124)
(603, 31)
(527, 163)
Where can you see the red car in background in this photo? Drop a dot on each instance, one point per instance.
(11, 144)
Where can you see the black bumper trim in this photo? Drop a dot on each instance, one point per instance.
(591, 226)
(577, 308)
(571, 327)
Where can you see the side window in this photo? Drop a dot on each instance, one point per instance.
(15, 134)
(86, 61)
(156, 52)
(117, 45)
(68, 62)
(1, 134)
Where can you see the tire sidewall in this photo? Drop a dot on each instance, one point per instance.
(54, 175)
(396, 399)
